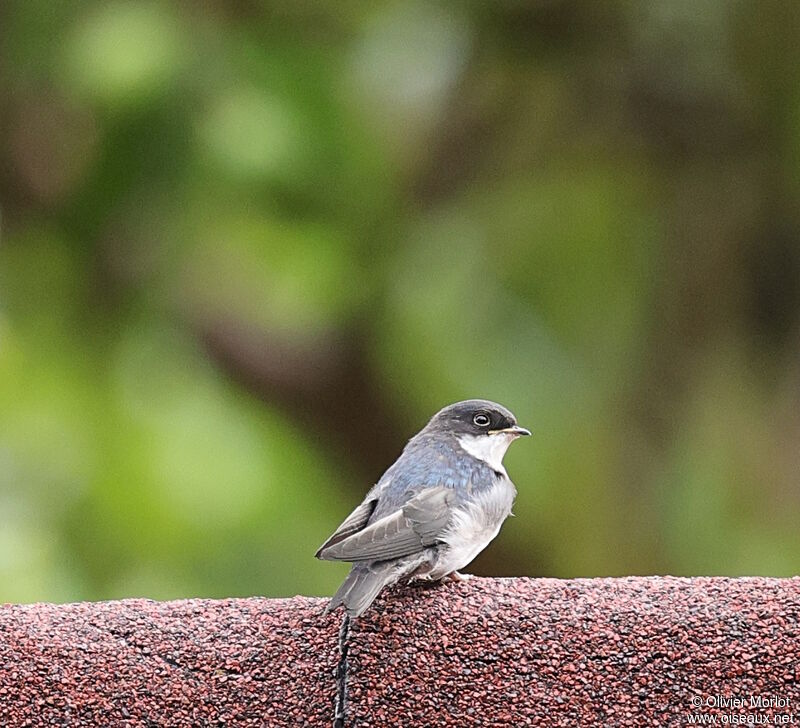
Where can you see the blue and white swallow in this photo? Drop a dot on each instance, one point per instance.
(434, 510)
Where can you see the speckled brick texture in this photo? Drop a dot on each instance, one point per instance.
(238, 662)
(490, 652)
(588, 652)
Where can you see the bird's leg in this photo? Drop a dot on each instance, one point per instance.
(455, 576)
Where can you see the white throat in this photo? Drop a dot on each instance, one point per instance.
(489, 448)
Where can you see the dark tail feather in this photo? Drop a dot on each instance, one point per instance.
(361, 587)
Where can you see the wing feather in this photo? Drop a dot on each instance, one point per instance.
(411, 528)
(352, 524)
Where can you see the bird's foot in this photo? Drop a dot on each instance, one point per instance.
(455, 576)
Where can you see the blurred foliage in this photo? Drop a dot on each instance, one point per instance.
(248, 248)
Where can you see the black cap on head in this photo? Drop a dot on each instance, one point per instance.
(475, 417)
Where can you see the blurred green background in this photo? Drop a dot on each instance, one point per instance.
(249, 247)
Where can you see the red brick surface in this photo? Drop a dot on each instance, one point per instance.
(505, 652)
(238, 662)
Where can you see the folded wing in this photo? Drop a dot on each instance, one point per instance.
(411, 528)
(352, 524)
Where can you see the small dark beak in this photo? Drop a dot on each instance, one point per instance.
(514, 430)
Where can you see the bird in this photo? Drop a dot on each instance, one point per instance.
(434, 510)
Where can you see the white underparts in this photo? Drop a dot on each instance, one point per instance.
(473, 526)
(489, 448)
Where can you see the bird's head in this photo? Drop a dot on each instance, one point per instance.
(484, 429)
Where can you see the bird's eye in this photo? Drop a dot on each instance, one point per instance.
(481, 420)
